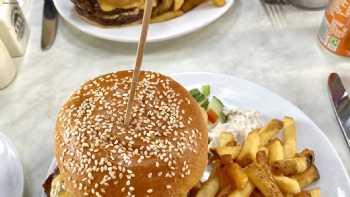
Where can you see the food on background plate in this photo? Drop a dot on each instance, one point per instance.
(259, 165)
(123, 12)
(162, 152)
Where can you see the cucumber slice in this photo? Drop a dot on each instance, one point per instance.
(217, 106)
(206, 90)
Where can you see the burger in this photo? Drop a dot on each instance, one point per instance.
(162, 151)
(110, 12)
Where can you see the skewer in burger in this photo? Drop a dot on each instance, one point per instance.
(162, 152)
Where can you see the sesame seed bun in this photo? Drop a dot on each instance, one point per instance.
(162, 152)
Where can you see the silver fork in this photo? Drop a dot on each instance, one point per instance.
(275, 11)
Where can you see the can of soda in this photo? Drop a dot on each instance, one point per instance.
(334, 33)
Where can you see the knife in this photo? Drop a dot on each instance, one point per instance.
(49, 26)
(341, 104)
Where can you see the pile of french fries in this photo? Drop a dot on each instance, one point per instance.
(169, 9)
(263, 165)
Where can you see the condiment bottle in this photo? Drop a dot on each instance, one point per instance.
(334, 33)
(7, 68)
(14, 30)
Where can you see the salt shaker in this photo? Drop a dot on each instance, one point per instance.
(7, 67)
(14, 30)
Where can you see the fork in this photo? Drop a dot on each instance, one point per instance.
(274, 10)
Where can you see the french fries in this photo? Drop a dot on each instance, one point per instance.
(309, 176)
(164, 6)
(232, 151)
(210, 188)
(261, 159)
(291, 166)
(289, 137)
(269, 131)
(225, 191)
(227, 139)
(263, 180)
(237, 176)
(287, 185)
(311, 193)
(256, 193)
(249, 149)
(166, 16)
(218, 3)
(260, 168)
(178, 4)
(190, 4)
(308, 154)
(245, 192)
(276, 151)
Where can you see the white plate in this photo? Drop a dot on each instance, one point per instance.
(11, 172)
(233, 91)
(189, 22)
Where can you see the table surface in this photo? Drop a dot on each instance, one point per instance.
(287, 60)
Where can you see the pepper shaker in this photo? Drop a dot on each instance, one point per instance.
(14, 29)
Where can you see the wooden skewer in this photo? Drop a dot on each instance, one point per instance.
(139, 55)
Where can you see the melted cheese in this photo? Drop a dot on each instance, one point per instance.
(109, 5)
(57, 188)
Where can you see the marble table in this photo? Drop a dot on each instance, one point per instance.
(287, 60)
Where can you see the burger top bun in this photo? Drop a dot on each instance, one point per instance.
(162, 152)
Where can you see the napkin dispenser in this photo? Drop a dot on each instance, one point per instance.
(14, 29)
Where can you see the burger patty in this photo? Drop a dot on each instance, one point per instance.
(92, 11)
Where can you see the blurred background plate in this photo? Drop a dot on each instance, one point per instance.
(11, 171)
(191, 21)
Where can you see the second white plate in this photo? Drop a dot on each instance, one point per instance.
(191, 21)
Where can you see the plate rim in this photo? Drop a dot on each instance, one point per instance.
(150, 39)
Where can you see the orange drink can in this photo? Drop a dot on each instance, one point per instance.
(334, 33)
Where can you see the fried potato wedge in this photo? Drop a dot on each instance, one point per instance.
(237, 176)
(249, 149)
(289, 135)
(245, 192)
(263, 180)
(232, 151)
(164, 6)
(166, 16)
(256, 193)
(227, 139)
(311, 193)
(178, 4)
(307, 177)
(218, 3)
(276, 151)
(209, 188)
(291, 166)
(287, 185)
(270, 131)
(310, 154)
(190, 4)
(224, 191)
